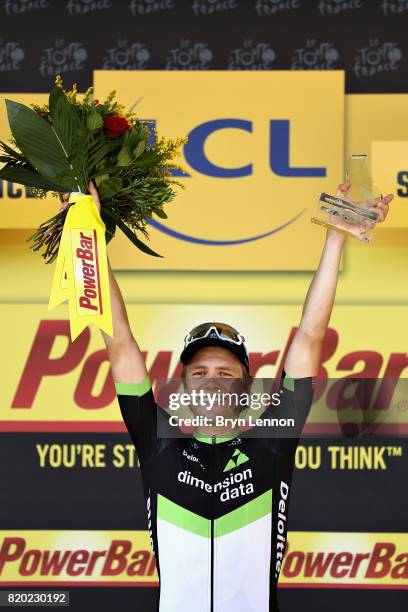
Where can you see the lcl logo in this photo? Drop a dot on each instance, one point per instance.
(195, 156)
(279, 150)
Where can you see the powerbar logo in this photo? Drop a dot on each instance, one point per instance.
(86, 272)
(96, 556)
(369, 560)
(346, 559)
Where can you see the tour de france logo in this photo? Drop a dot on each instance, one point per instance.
(189, 56)
(62, 57)
(146, 7)
(252, 55)
(21, 7)
(376, 58)
(209, 7)
(394, 7)
(126, 56)
(272, 7)
(11, 56)
(333, 7)
(315, 56)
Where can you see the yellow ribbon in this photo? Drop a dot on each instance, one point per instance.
(81, 272)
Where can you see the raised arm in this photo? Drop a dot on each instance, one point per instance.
(125, 357)
(303, 356)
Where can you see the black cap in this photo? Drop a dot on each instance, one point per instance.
(213, 340)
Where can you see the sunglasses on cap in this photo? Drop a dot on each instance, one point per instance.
(214, 329)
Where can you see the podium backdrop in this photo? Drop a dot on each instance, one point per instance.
(323, 79)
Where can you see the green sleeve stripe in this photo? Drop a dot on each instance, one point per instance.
(132, 388)
(289, 383)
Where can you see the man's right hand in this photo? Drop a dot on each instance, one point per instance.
(93, 192)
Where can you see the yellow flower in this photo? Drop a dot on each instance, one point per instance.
(58, 81)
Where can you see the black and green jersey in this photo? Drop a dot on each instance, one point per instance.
(217, 507)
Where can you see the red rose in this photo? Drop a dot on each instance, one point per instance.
(115, 126)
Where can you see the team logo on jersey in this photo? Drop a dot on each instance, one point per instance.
(238, 458)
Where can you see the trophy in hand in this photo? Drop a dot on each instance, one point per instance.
(352, 214)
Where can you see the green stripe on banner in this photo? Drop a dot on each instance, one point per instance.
(132, 388)
(181, 517)
(250, 512)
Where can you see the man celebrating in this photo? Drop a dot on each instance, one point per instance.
(217, 505)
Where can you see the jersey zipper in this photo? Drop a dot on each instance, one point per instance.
(213, 441)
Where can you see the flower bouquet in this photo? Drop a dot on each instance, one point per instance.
(61, 146)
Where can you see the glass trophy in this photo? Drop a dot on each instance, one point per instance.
(350, 214)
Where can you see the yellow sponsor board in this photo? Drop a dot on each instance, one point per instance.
(76, 557)
(373, 117)
(258, 156)
(370, 121)
(390, 168)
(376, 124)
(359, 560)
(124, 558)
(55, 384)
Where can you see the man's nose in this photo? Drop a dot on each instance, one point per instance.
(211, 384)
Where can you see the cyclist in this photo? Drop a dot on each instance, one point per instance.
(217, 503)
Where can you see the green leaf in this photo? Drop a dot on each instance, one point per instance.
(160, 213)
(97, 156)
(69, 178)
(110, 225)
(124, 157)
(37, 140)
(12, 152)
(94, 122)
(108, 170)
(22, 176)
(131, 138)
(110, 187)
(66, 123)
(150, 159)
(99, 178)
(139, 149)
(53, 97)
(132, 237)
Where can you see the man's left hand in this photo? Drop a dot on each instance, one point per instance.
(379, 205)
